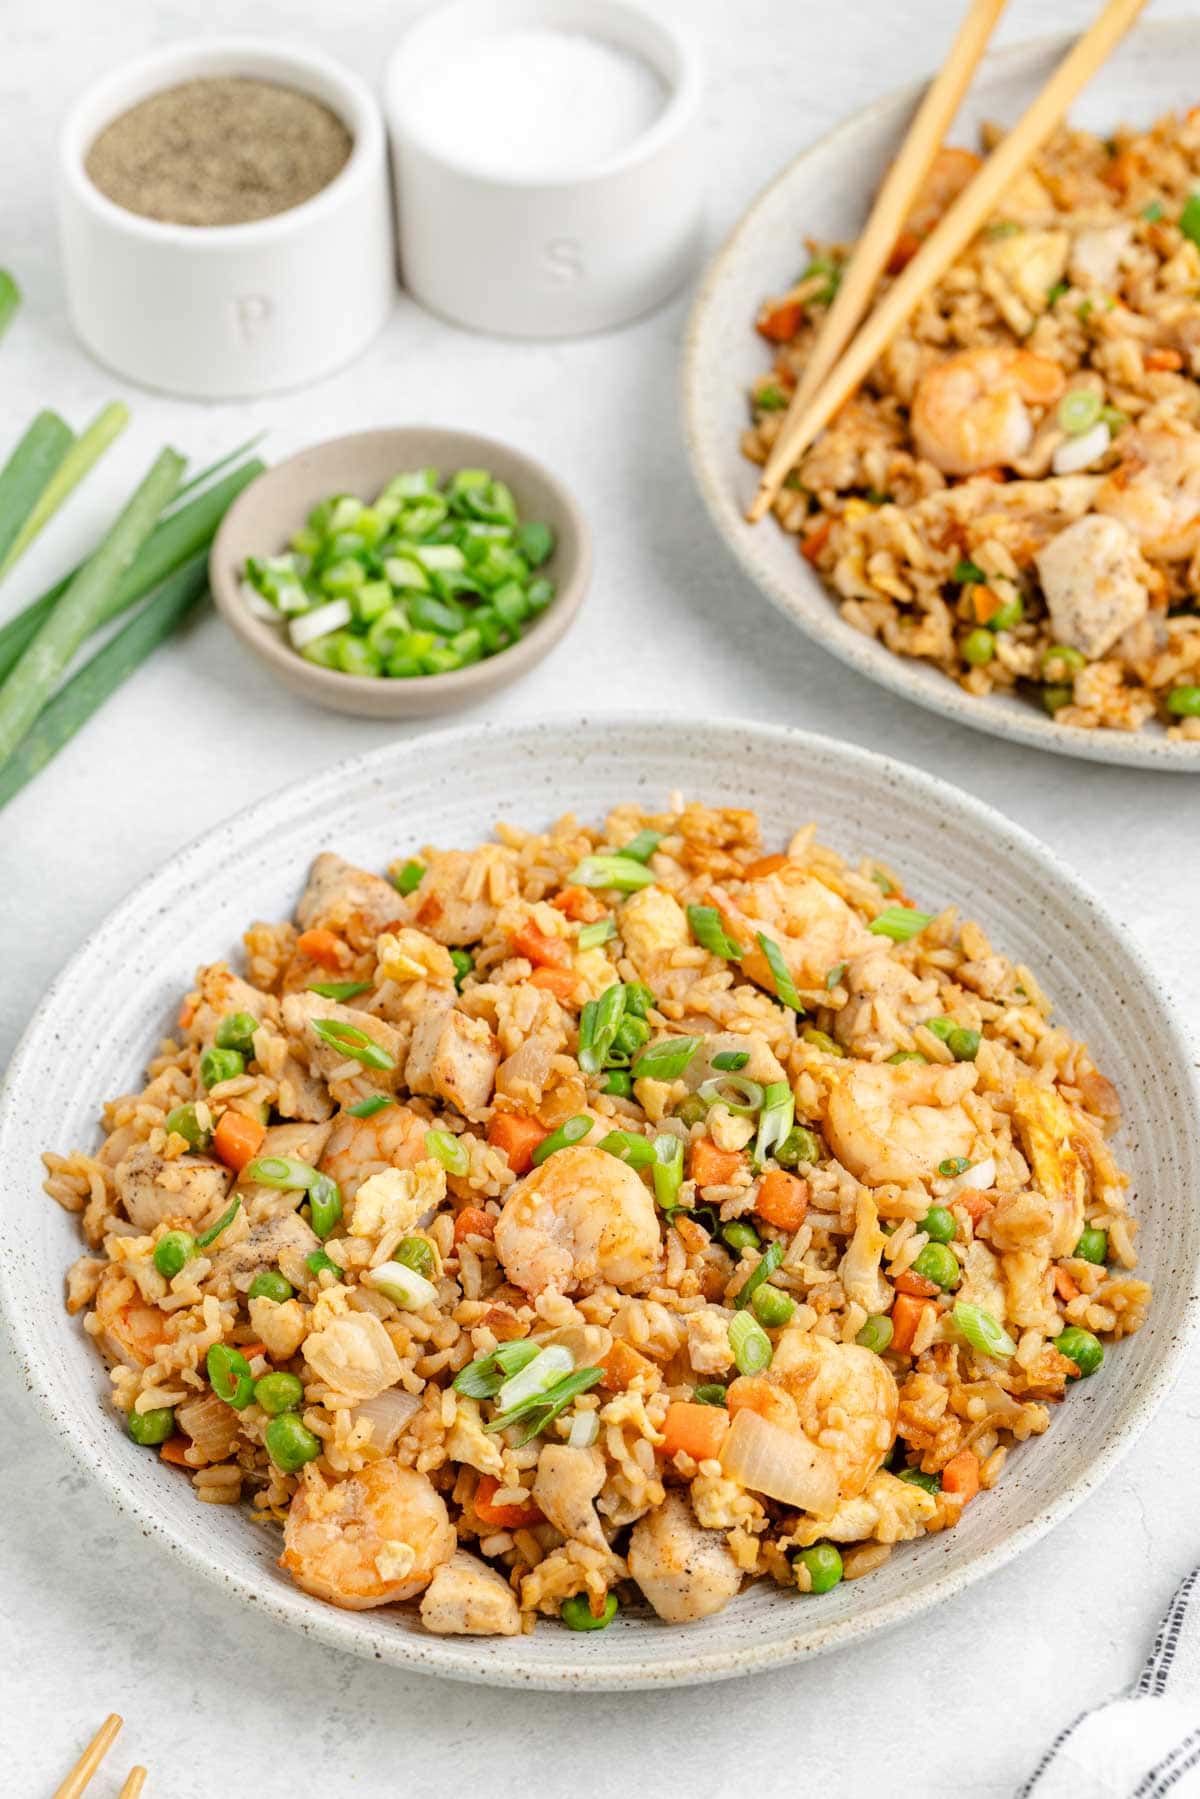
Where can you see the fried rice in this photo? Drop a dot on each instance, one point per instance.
(1014, 493)
(602, 1217)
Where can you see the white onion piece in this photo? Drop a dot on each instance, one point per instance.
(980, 1176)
(257, 605)
(1080, 452)
(319, 622)
(783, 1464)
(389, 1413)
(403, 1286)
(547, 1366)
(585, 1428)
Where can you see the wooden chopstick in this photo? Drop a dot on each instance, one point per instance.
(892, 206)
(135, 1780)
(961, 222)
(91, 1758)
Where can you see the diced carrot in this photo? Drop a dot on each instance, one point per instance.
(983, 602)
(502, 1517)
(237, 1139)
(907, 1314)
(975, 1203)
(903, 251)
(323, 946)
(1163, 359)
(994, 472)
(766, 865)
(713, 1167)
(916, 1284)
(473, 1221)
(1121, 171)
(250, 1350)
(815, 540)
(695, 1430)
(542, 951)
(622, 1366)
(187, 1011)
(782, 1199)
(1064, 1286)
(961, 1475)
(561, 982)
(516, 1136)
(781, 323)
(784, 376)
(579, 904)
(174, 1450)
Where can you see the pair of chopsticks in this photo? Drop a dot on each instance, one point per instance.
(81, 1774)
(828, 383)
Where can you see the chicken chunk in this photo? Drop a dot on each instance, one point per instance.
(567, 1482)
(685, 1572)
(348, 900)
(302, 1011)
(1094, 582)
(286, 1236)
(454, 1058)
(221, 992)
(452, 903)
(653, 923)
(153, 1190)
(304, 1142)
(466, 1598)
(1096, 255)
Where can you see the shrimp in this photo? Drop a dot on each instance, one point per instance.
(846, 1401)
(812, 926)
(130, 1329)
(360, 1147)
(1155, 488)
(685, 1572)
(373, 1539)
(896, 1122)
(582, 1217)
(971, 411)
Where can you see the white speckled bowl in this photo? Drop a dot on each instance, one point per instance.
(826, 193)
(91, 1035)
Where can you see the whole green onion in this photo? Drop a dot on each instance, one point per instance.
(900, 923)
(353, 1042)
(710, 934)
(28, 472)
(449, 1150)
(666, 1059)
(785, 987)
(621, 873)
(10, 300)
(668, 1169)
(574, 1130)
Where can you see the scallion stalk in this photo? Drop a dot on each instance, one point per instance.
(81, 456)
(25, 476)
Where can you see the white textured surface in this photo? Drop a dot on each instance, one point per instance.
(217, 1700)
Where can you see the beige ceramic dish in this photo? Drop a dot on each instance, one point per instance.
(263, 518)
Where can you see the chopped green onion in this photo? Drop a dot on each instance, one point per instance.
(900, 923)
(339, 990)
(711, 1393)
(785, 987)
(632, 1035)
(730, 1060)
(966, 574)
(710, 933)
(638, 999)
(739, 1235)
(1078, 410)
(775, 1120)
(738, 1094)
(541, 1409)
(1055, 294)
(666, 1059)
(643, 846)
(1153, 212)
(823, 1041)
(618, 1082)
(207, 1238)
(668, 1169)
(484, 1377)
(591, 936)
(284, 1172)
(982, 1331)
(596, 1039)
(418, 1254)
(954, 1165)
(916, 1477)
(799, 1145)
(353, 1042)
(630, 1147)
(770, 398)
(876, 1333)
(572, 1131)
(409, 878)
(1189, 219)
(367, 1108)
(318, 1261)
(449, 1150)
(463, 965)
(834, 976)
(623, 874)
(324, 1205)
(403, 1285)
(771, 1258)
(229, 1375)
(750, 1344)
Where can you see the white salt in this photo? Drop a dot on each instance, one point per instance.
(537, 103)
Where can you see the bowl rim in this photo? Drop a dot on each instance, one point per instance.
(674, 44)
(337, 1629)
(118, 89)
(458, 685)
(903, 676)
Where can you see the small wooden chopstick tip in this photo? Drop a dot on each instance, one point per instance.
(135, 1780)
(90, 1760)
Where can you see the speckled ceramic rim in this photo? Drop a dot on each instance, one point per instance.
(681, 751)
(704, 366)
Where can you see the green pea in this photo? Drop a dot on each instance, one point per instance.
(416, 1253)
(739, 1235)
(939, 1225)
(772, 1308)
(1007, 615)
(1080, 1347)
(463, 964)
(1184, 702)
(876, 1333)
(150, 1428)
(978, 647)
(1056, 696)
(824, 1564)
(278, 1392)
(799, 1146)
(823, 1041)
(691, 1110)
(185, 1122)
(619, 1082)
(318, 1261)
(268, 1283)
(916, 1477)
(236, 1031)
(1093, 1247)
(1061, 661)
(576, 1613)
(963, 1044)
(218, 1065)
(290, 1443)
(172, 1252)
(939, 1264)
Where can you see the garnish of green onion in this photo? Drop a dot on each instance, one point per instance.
(967, 573)
(449, 1150)
(785, 987)
(735, 1092)
(353, 1042)
(629, 1147)
(463, 964)
(900, 923)
(643, 846)
(284, 1172)
(982, 1331)
(666, 1059)
(710, 933)
(573, 1131)
(775, 1119)
(596, 1035)
(750, 1344)
(1189, 219)
(668, 1170)
(541, 1409)
(409, 878)
(728, 1061)
(591, 936)
(339, 990)
(367, 1108)
(623, 874)
(834, 976)
(208, 1237)
(324, 1205)
(484, 1377)
(771, 1257)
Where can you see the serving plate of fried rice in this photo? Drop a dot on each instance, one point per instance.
(1004, 524)
(600, 1207)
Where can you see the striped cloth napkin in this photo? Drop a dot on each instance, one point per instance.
(1145, 1744)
